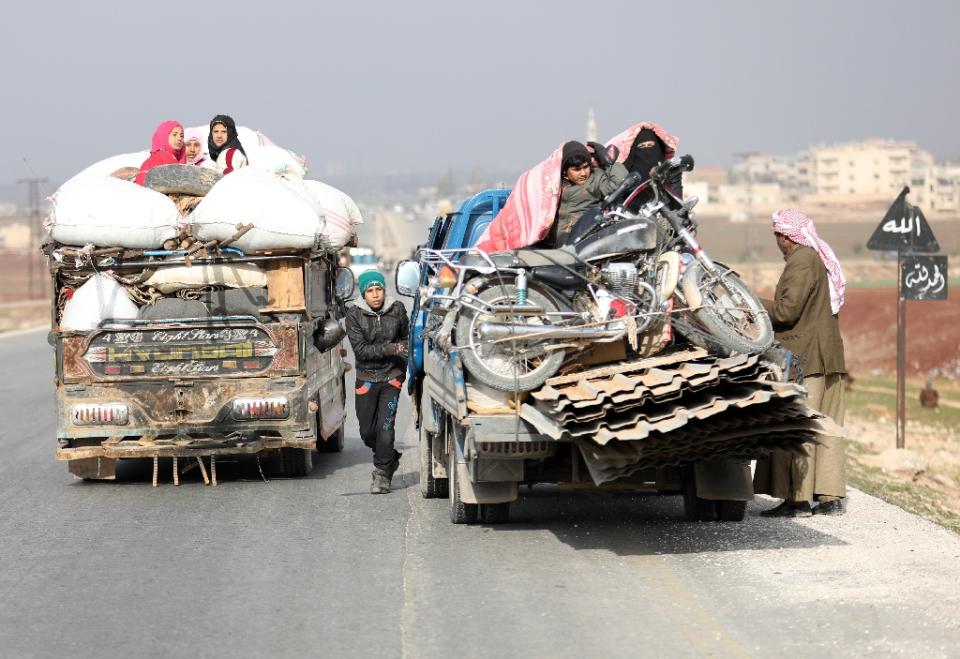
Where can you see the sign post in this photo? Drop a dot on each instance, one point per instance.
(905, 230)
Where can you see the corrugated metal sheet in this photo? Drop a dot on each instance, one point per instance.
(673, 409)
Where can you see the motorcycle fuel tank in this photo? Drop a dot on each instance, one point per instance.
(619, 238)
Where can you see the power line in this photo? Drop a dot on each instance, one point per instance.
(33, 201)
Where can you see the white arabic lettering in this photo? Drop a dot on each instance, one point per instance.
(184, 368)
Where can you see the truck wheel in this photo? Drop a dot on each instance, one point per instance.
(295, 462)
(460, 512)
(495, 513)
(731, 511)
(333, 443)
(430, 486)
(696, 509)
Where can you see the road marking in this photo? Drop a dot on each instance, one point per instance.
(700, 627)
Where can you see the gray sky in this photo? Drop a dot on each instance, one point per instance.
(430, 85)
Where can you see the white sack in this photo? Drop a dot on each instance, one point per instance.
(276, 160)
(109, 165)
(283, 214)
(239, 275)
(340, 214)
(99, 298)
(110, 212)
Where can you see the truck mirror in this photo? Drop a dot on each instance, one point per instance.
(407, 278)
(344, 286)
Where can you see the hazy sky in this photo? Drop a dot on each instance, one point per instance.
(430, 85)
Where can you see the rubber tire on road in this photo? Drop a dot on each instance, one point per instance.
(430, 486)
(721, 338)
(495, 513)
(295, 462)
(181, 179)
(475, 365)
(460, 512)
(333, 443)
(696, 509)
(731, 511)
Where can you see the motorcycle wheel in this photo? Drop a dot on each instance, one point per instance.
(731, 318)
(520, 365)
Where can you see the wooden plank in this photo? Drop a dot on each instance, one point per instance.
(285, 290)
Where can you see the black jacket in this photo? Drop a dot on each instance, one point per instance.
(370, 332)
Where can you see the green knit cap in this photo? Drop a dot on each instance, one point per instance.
(370, 278)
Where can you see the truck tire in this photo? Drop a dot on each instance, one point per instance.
(731, 316)
(731, 511)
(430, 486)
(493, 364)
(696, 509)
(295, 462)
(460, 512)
(181, 179)
(333, 443)
(495, 513)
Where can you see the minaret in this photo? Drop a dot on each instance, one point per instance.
(591, 126)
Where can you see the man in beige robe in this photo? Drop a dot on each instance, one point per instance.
(805, 315)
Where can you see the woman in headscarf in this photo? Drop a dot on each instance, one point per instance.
(224, 146)
(165, 149)
(646, 152)
(193, 147)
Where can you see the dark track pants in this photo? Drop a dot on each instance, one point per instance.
(377, 413)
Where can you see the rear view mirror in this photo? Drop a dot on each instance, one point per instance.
(407, 278)
(613, 153)
(344, 286)
(690, 202)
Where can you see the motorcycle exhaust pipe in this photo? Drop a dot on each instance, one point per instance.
(506, 330)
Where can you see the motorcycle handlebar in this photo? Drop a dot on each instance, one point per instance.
(683, 163)
(632, 179)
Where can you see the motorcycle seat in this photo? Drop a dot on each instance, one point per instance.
(530, 258)
(535, 258)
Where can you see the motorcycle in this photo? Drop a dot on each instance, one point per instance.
(625, 269)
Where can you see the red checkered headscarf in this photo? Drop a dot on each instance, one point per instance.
(796, 226)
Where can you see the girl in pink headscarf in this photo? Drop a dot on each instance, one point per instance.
(193, 142)
(166, 149)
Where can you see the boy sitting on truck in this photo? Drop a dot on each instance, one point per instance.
(582, 186)
(378, 330)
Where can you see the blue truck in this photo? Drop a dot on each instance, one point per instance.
(679, 419)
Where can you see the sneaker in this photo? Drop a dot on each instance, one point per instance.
(380, 484)
(789, 509)
(834, 507)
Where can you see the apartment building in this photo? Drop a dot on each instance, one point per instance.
(872, 169)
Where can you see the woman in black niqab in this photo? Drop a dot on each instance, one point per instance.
(646, 152)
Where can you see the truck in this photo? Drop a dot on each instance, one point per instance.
(678, 421)
(253, 372)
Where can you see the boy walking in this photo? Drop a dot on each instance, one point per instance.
(378, 330)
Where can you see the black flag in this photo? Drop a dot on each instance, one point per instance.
(903, 229)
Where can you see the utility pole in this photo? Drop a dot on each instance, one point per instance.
(33, 201)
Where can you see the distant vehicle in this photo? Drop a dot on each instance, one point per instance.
(362, 259)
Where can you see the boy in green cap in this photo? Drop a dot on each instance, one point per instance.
(378, 330)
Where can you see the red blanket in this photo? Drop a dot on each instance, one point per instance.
(530, 209)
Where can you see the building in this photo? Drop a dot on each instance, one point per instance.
(875, 169)
(936, 189)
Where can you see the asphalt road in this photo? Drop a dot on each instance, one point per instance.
(319, 567)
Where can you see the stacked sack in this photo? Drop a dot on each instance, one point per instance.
(102, 208)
